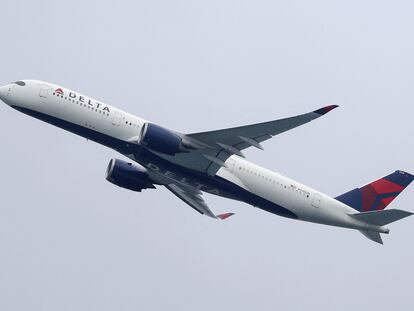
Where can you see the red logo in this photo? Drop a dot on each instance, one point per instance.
(59, 91)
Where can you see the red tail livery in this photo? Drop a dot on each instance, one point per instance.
(378, 194)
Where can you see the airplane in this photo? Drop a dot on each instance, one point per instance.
(211, 162)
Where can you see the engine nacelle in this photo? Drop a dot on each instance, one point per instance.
(160, 139)
(128, 175)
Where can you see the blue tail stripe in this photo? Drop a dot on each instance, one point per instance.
(400, 178)
(352, 198)
(355, 198)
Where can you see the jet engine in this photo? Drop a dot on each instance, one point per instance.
(128, 175)
(161, 140)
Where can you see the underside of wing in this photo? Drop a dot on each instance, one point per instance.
(192, 197)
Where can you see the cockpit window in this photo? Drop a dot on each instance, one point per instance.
(21, 83)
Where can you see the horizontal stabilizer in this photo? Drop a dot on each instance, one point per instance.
(381, 218)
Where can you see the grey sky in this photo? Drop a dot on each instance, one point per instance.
(69, 240)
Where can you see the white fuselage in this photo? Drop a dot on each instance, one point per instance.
(73, 108)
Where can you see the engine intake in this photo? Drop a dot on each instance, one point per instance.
(128, 175)
(160, 139)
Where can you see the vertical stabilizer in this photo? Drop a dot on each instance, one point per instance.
(377, 195)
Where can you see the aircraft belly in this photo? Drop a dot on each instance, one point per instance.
(167, 172)
(217, 185)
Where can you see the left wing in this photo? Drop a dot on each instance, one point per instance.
(235, 139)
(208, 151)
(192, 197)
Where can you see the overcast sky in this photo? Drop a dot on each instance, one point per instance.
(69, 240)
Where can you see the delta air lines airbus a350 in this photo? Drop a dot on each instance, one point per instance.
(213, 162)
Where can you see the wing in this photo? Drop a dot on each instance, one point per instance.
(224, 143)
(246, 136)
(208, 151)
(192, 197)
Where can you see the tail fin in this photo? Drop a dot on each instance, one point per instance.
(378, 194)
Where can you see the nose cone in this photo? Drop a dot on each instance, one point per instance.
(4, 92)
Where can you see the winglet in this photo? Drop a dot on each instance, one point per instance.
(224, 216)
(326, 109)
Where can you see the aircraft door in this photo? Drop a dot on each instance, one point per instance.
(117, 118)
(44, 90)
(316, 200)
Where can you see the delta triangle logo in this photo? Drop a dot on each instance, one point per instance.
(59, 91)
